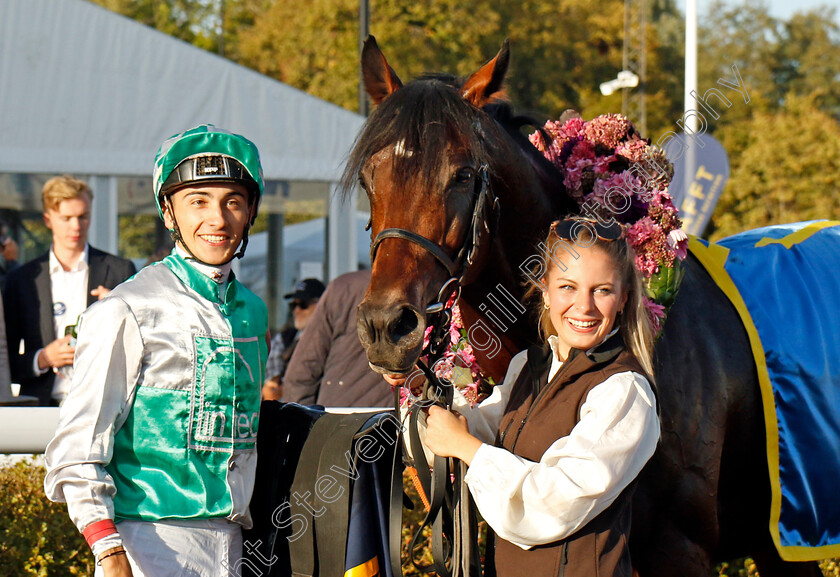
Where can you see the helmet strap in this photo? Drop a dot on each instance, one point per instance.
(251, 218)
(243, 243)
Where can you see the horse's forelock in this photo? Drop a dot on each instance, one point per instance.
(421, 121)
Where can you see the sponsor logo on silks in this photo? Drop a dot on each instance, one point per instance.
(59, 308)
(224, 408)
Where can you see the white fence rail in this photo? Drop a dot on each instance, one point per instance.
(27, 429)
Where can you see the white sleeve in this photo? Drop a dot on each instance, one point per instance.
(107, 363)
(579, 476)
(484, 418)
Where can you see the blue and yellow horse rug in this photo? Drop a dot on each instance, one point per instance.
(785, 283)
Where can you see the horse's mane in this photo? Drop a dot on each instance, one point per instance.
(428, 114)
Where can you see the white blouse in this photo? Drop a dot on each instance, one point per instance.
(578, 476)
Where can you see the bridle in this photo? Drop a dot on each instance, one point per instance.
(451, 513)
(485, 217)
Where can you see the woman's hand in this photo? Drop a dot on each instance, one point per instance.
(448, 435)
(116, 566)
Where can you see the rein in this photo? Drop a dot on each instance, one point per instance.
(451, 512)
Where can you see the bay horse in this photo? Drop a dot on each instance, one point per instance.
(427, 151)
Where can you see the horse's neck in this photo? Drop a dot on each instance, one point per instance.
(493, 302)
(530, 197)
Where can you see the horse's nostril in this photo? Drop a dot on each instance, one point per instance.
(405, 324)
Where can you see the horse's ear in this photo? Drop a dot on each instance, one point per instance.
(482, 85)
(380, 79)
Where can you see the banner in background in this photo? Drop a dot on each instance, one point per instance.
(701, 168)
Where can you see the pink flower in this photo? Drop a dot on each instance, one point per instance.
(538, 141)
(623, 186)
(656, 314)
(678, 241)
(649, 241)
(608, 129)
(634, 150)
(581, 159)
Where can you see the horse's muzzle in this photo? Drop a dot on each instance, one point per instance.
(392, 336)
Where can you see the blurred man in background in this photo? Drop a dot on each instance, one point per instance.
(330, 367)
(303, 301)
(45, 296)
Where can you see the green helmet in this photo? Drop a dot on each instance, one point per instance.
(206, 154)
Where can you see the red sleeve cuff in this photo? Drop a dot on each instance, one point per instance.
(99, 530)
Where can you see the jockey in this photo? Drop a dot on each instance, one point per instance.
(155, 452)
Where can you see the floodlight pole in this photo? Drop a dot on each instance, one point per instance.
(690, 120)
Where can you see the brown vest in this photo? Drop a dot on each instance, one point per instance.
(537, 415)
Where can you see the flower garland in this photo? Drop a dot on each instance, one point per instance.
(609, 169)
(458, 365)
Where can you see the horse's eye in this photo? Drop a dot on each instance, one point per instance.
(362, 183)
(464, 176)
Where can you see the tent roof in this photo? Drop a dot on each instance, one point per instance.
(87, 91)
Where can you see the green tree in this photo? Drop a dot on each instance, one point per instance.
(194, 21)
(36, 536)
(788, 169)
(808, 58)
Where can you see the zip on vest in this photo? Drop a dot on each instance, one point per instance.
(538, 396)
(564, 558)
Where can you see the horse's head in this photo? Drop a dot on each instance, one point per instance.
(432, 161)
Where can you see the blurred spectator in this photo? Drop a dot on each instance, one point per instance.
(9, 253)
(304, 298)
(330, 367)
(5, 375)
(46, 295)
(160, 253)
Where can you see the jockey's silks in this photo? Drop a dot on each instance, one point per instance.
(185, 447)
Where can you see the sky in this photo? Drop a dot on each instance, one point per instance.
(785, 8)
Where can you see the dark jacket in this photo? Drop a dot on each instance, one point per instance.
(537, 415)
(329, 366)
(27, 301)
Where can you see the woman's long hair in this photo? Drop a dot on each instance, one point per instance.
(634, 322)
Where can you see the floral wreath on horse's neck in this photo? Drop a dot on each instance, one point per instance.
(602, 161)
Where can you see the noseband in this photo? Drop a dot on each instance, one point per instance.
(485, 217)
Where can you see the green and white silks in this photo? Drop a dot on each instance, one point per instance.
(187, 448)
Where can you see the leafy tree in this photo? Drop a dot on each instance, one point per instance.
(787, 170)
(36, 535)
(194, 21)
(808, 58)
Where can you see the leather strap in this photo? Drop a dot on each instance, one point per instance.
(395, 512)
(331, 529)
(302, 550)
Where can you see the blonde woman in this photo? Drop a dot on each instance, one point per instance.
(554, 452)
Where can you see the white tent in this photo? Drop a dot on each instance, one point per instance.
(89, 92)
(302, 243)
(85, 90)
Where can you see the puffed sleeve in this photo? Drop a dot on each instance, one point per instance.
(484, 418)
(579, 476)
(109, 352)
